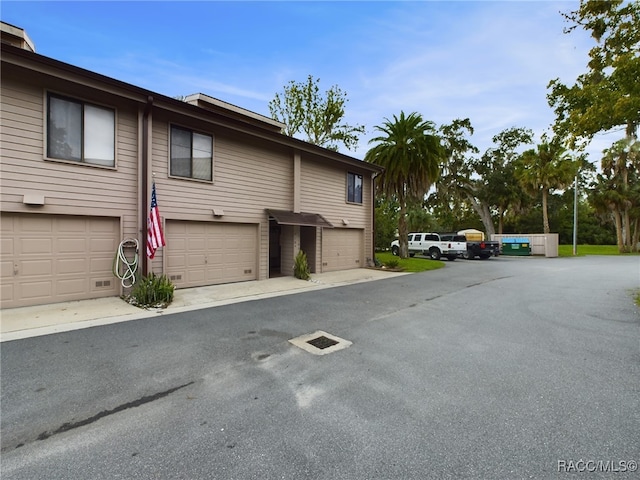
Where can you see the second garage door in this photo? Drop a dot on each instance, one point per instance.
(342, 249)
(204, 253)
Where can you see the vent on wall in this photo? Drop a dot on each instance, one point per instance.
(175, 277)
(103, 283)
(247, 271)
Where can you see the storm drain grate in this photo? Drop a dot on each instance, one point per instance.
(320, 343)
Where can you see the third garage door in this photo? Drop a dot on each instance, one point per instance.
(342, 249)
(204, 253)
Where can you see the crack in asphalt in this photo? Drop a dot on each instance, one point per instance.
(466, 286)
(72, 425)
(489, 280)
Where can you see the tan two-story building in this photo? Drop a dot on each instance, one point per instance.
(238, 199)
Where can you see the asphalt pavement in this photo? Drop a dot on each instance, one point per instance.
(501, 369)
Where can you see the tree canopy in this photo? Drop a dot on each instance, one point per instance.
(608, 94)
(604, 98)
(303, 109)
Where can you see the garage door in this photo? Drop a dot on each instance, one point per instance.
(342, 249)
(204, 253)
(57, 258)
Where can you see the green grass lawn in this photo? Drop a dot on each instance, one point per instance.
(567, 250)
(415, 264)
(421, 264)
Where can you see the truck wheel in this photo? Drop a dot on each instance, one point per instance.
(484, 257)
(451, 258)
(434, 254)
(395, 250)
(468, 255)
(412, 254)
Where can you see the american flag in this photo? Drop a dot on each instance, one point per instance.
(155, 237)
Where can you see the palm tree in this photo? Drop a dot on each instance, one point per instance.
(543, 169)
(411, 154)
(620, 165)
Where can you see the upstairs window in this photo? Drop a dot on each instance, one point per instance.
(80, 132)
(191, 154)
(354, 188)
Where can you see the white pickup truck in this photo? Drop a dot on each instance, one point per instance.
(432, 245)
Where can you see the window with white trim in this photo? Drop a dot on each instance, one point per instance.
(80, 132)
(191, 154)
(354, 188)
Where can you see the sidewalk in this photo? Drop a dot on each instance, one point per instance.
(25, 322)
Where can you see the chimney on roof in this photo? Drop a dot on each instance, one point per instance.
(16, 36)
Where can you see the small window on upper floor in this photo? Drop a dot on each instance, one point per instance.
(191, 154)
(354, 188)
(80, 132)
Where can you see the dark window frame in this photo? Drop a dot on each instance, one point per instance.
(353, 194)
(173, 160)
(82, 158)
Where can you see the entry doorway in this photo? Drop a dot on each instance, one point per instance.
(275, 249)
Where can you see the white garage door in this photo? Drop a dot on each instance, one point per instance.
(57, 258)
(204, 253)
(342, 249)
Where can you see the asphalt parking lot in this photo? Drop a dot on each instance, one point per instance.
(506, 368)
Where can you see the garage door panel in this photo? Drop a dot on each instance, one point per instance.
(175, 261)
(97, 225)
(196, 244)
(35, 224)
(196, 260)
(72, 287)
(71, 225)
(35, 290)
(35, 268)
(218, 258)
(6, 244)
(101, 266)
(195, 277)
(215, 275)
(7, 292)
(6, 269)
(57, 258)
(71, 245)
(36, 246)
(103, 246)
(342, 249)
(213, 253)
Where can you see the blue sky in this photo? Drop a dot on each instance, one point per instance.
(486, 60)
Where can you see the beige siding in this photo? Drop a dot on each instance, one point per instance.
(250, 174)
(248, 177)
(68, 188)
(324, 191)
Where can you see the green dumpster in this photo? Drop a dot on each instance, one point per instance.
(516, 246)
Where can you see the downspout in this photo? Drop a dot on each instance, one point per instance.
(373, 215)
(145, 183)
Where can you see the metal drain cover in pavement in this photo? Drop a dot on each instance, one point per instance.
(320, 343)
